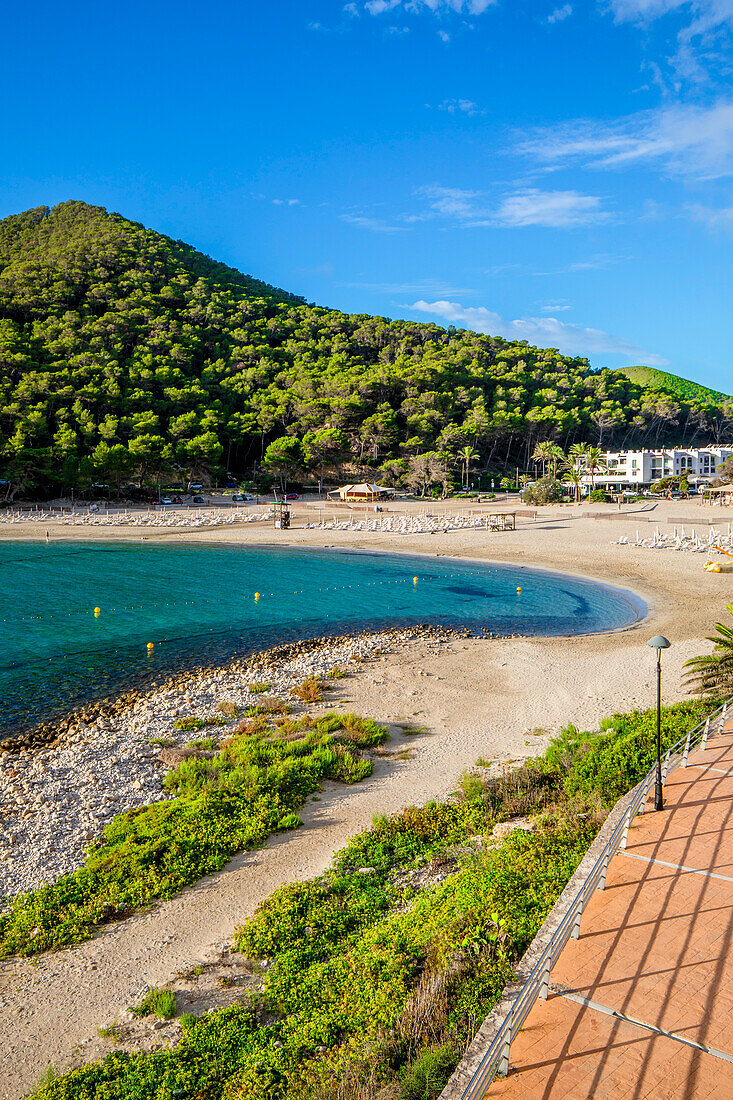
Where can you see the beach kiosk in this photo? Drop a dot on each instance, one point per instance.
(362, 493)
(720, 494)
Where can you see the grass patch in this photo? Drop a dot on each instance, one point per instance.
(225, 800)
(309, 690)
(156, 1002)
(259, 687)
(412, 731)
(337, 673)
(228, 708)
(270, 705)
(192, 723)
(111, 1032)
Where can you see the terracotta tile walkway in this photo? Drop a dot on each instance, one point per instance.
(656, 945)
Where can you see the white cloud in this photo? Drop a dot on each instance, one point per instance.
(438, 7)
(376, 225)
(553, 209)
(450, 202)
(559, 14)
(698, 41)
(556, 307)
(460, 106)
(720, 218)
(378, 7)
(286, 202)
(418, 286)
(593, 263)
(545, 332)
(352, 10)
(688, 140)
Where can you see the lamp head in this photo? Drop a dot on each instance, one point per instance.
(659, 642)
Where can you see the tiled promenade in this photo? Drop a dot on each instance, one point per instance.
(657, 946)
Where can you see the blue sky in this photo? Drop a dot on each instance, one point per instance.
(558, 172)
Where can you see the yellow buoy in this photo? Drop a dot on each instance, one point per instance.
(257, 595)
(414, 580)
(519, 588)
(97, 610)
(151, 646)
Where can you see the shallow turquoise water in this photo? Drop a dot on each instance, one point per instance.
(196, 603)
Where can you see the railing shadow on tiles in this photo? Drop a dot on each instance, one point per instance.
(495, 1061)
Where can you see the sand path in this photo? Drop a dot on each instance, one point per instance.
(487, 698)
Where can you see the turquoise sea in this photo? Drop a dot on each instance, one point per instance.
(197, 605)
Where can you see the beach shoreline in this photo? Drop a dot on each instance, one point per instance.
(501, 699)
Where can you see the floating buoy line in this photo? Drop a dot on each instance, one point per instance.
(273, 594)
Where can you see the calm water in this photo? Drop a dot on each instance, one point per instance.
(197, 605)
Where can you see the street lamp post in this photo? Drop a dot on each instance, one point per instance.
(659, 642)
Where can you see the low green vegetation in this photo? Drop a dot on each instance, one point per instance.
(377, 974)
(223, 801)
(309, 690)
(157, 1002)
(228, 708)
(193, 723)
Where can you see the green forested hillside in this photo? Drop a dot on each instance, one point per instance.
(126, 356)
(654, 379)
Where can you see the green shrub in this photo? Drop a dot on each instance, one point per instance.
(428, 1075)
(309, 690)
(548, 490)
(599, 496)
(190, 723)
(156, 1002)
(228, 708)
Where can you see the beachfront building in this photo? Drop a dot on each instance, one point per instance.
(637, 469)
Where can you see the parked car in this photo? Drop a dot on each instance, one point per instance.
(166, 500)
(292, 496)
(199, 500)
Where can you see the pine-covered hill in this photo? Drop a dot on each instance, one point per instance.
(662, 380)
(125, 355)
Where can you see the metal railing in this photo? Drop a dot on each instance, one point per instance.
(496, 1059)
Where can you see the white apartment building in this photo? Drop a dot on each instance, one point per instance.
(628, 469)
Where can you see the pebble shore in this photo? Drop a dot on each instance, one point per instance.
(55, 799)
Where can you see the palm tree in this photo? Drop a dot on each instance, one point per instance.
(575, 478)
(576, 455)
(467, 455)
(713, 674)
(543, 453)
(557, 456)
(576, 461)
(594, 463)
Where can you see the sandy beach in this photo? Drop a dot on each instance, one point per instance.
(499, 699)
